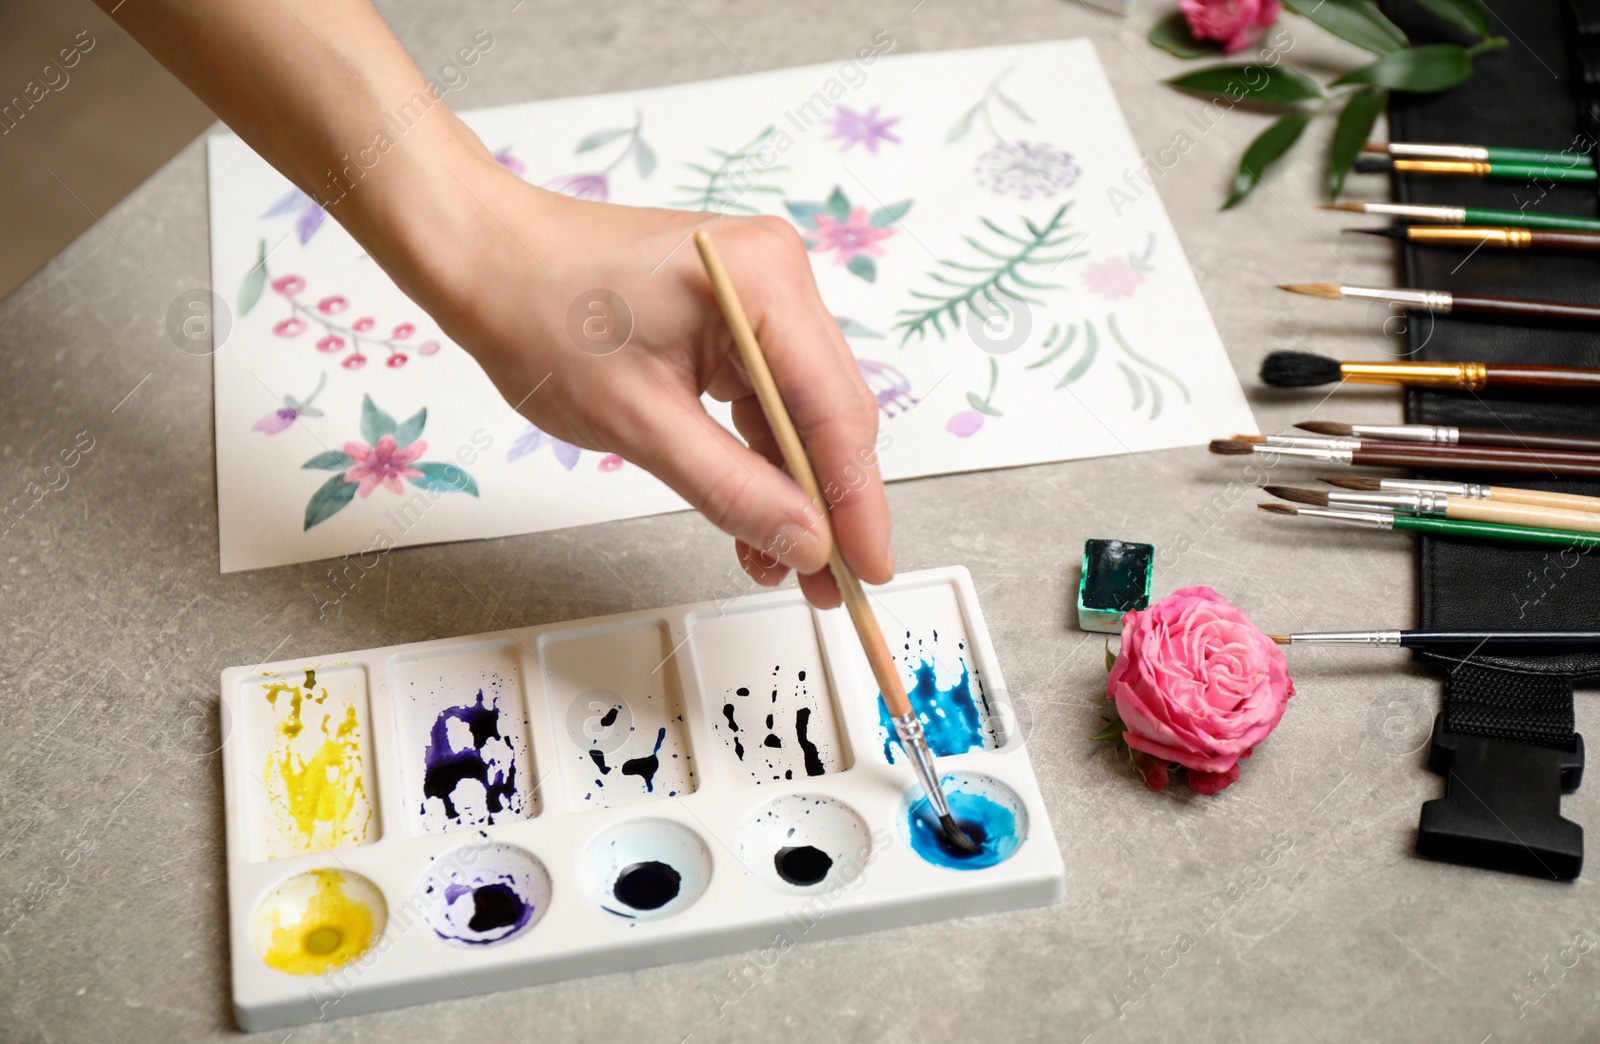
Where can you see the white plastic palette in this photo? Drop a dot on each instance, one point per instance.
(445, 818)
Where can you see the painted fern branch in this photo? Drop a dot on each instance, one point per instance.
(735, 175)
(1011, 256)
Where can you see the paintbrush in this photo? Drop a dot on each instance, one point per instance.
(1307, 370)
(1490, 641)
(1430, 450)
(1444, 527)
(1481, 153)
(1443, 505)
(884, 669)
(1502, 171)
(1426, 458)
(1471, 490)
(1469, 215)
(1448, 435)
(1466, 306)
(1475, 236)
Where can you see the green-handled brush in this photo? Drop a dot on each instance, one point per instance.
(1444, 527)
(1469, 215)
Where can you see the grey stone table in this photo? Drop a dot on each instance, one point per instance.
(1305, 913)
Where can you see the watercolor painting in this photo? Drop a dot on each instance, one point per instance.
(1004, 305)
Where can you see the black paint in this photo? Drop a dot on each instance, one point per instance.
(647, 886)
(610, 718)
(727, 712)
(769, 721)
(802, 722)
(802, 864)
(802, 675)
(1116, 575)
(495, 906)
(645, 768)
(772, 740)
(599, 759)
(447, 767)
(738, 748)
(741, 692)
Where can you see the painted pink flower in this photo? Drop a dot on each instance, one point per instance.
(1112, 278)
(363, 324)
(403, 331)
(1198, 684)
(354, 362)
(293, 326)
(860, 128)
(276, 421)
(331, 343)
(427, 347)
(1236, 24)
(851, 238)
(382, 465)
(610, 462)
(583, 186)
(332, 305)
(965, 424)
(288, 285)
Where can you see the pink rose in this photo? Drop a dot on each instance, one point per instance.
(1235, 23)
(1199, 684)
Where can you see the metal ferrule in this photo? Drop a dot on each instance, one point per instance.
(1520, 238)
(1431, 300)
(1408, 433)
(1370, 519)
(1312, 442)
(1472, 490)
(915, 744)
(1466, 376)
(1327, 455)
(1415, 502)
(1349, 638)
(1414, 150)
(1444, 215)
(1474, 168)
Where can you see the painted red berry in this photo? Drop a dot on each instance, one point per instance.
(403, 331)
(354, 362)
(332, 305)
(293, 326)
(397, 360)
(288, 285)
(364, 324)
(330, 344)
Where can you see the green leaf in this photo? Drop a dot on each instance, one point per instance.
(1355, 123)
(254, 281)
(838, 205)
(1278, 85)
(863, 266)
(375, 424)
(333, 460)
(411, 430)
(981, 406)
(1172, 35)
(328, 501)
(890, 214)
(1113, 730)
(851, 328)
(601, 137)
(1111, 660)
(1420, 70)
(1268, 146)
(1357, 21)
(804, 214)
(1470, 15)
(644, 157)
(439, 477)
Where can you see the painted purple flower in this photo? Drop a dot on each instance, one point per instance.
(583, 186)
(510, 162)
(1026, 170)
(965, 424)
(892, 388)
(311, 213)
(860, 128)
(384, 464)
(533, 438)
(1112, 278)
(276, 421)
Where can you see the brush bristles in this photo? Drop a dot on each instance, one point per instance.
(1281, 639)
(1230, 448)
(1358, 482)
(1315, 498)
(1334, 428)
(1299, 370)
(1280, 509)
(1331, 291)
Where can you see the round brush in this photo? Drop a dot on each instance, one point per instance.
(1449, 435)
(1469, 641)
(1470, 490)
(1443, 527)
(1308, 370)
(1442, 505)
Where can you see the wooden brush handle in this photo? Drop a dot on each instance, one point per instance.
(1524, 515)
(1541, 498)
(1522, 308)
(1514, 454)
(1527, 440)
(1534, 375)
(884, 669)
(1531, 463)
(1564, 240)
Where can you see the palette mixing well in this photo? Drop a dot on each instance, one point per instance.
(445, 818)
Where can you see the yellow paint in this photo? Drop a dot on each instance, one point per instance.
(333, 930)
(317, 797)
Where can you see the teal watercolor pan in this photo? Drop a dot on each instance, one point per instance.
(600, 795)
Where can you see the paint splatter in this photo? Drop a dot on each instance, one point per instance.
(483, 755)
(316, 791)
(645, 767)
(483, 895)
(950, 718)
(802, 725)
(332, 928)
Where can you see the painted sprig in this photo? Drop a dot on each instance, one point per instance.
(721, 188)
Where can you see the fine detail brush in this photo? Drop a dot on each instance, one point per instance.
(1426, 458)
(884, 669)
(1481, 153)
(1515, 455)
(1307, 370)
(1470, 490)
(1444, 527)
(1490, 237)
(1489, 641)
(1443, 505)
(1449, 435)
(1501, 171)
(1443, 302)
(1469, 215)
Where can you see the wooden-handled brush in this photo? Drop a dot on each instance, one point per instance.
(884, 669)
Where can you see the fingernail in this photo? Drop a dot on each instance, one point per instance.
(800, 548)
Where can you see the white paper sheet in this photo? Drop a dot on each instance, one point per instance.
(908, 174)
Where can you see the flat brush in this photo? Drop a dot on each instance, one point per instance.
(1469, 215)
(1489, 641)
(1446, 435)
(1470, 490)
(1307, 370)
(1443, 302)
(1444, 527)
(906, 725)
(1500, 171)
(1442, 505)
(1383, 456)
(1481, 153)
(1494, 238)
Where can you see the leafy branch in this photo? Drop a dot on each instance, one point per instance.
(731, 178)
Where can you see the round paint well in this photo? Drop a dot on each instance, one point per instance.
(645, 869)
(803, 843)
(317, 921)
(988, 811)
(483, 895)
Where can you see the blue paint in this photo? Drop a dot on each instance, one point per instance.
(950, 717)
(990, 824)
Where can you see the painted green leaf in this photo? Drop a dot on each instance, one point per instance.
(890, 214)
(411, 429)
(254, 280)
(329, 500)
(838, 205)
(439, 477)
(375, 424)
(1279, 85)
(1269, 145)
(1420, 70)
(1172, 35)
(333, 460)
(981, 406)
(804, 214)
(1357, 21)
(644, 157)
(601, 137)
(863, 266)
(1350, 134)
(851, 328)
(1470, 15)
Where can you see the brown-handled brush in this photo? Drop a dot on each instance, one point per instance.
(1450, 435)
(1431, 458)
(884, 669)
